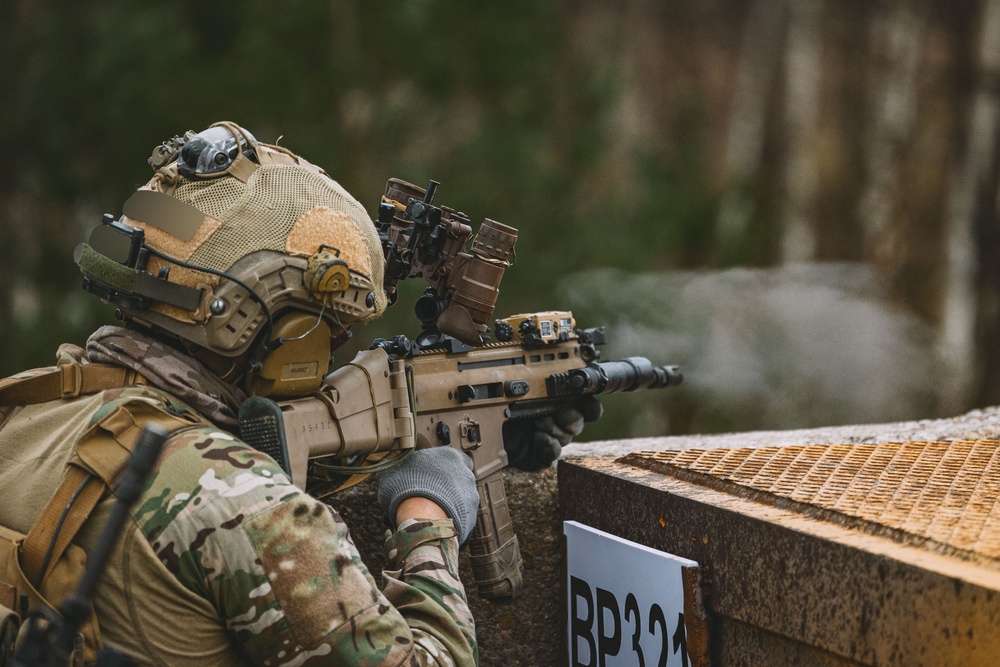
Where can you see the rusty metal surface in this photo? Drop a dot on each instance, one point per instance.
(784, 586)
(695, 617)
(742, 645)
(942, 496)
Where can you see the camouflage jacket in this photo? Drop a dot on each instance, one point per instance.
(226, 561)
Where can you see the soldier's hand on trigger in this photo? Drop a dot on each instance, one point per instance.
(442, 475)
(533, 444)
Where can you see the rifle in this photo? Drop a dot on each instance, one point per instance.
(448, 387)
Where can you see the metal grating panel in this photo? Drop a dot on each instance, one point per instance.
(941, 495)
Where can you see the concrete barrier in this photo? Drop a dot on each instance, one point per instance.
(529, 631)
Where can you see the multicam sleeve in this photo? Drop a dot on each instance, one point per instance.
(330, 606)
(285, 576)
(425, 587)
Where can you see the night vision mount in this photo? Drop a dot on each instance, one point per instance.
(420, 239)
(114, 262)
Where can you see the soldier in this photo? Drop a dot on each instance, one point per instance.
(235, 270)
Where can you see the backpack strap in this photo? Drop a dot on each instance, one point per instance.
(74, 500)
(66, 381)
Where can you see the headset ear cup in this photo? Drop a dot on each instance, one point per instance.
(326, 275)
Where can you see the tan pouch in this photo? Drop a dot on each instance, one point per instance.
(10, 623)
(18, 595)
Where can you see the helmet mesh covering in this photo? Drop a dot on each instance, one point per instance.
(260, 214)
(286, 205)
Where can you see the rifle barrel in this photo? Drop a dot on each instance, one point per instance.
(629, 374)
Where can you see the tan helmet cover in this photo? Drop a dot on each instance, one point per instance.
(263, 223)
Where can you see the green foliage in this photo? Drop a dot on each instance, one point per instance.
(510, 106)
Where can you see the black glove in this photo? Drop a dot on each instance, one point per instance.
(532, 444)
(441, 474)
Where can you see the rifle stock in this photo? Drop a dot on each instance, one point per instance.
(389, 398)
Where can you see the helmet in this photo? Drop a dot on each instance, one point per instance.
(243, 249)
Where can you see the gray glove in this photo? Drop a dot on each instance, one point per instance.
(441, 474)
(535, 443)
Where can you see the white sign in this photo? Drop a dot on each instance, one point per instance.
(626, 602)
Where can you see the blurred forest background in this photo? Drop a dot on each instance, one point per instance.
(796, 201)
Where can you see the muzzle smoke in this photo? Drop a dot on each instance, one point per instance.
(787, 347)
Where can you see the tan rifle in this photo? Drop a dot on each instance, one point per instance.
(392, 398)
(448, 388)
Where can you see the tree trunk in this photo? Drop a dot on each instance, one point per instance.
(757, 72)
(970, 193)
(803, 77)
(900, 37)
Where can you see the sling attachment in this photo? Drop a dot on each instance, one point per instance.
(66, 381)
(77, 495)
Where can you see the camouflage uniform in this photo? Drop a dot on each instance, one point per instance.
(227, 562)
